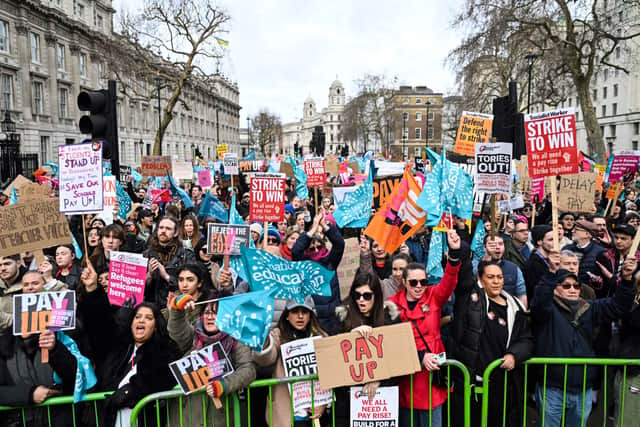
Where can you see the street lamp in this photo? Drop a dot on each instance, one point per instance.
(248, 134)
(426, 134)
(531, 58)
(159, 86)
(405, 133)
(8, 125)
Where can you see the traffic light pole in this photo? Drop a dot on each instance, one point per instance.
(113, 124)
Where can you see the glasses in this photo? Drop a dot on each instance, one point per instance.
(272, 241)
(208, 313)
(368, 296)
(567, 285)
(414, 282)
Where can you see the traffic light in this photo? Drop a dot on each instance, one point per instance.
(295, 148)
(102, 121)
(508, 124)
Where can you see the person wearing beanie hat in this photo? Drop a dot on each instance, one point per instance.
(632, 218)
(536, 265)
(610, 261)
(273, 236)
(256, 231)
(565, 327)
(587, 250)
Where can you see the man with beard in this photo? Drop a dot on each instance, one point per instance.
(243, 205)
(165, 254)
(196, 197)
(10, 283)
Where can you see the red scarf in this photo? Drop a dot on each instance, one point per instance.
(285, 251)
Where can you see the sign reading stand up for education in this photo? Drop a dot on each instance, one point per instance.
(552, 148)
(80, 172)
(267, 197)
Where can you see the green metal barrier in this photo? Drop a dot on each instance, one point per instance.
(543, 364)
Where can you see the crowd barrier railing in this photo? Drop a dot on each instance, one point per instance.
(575, 405)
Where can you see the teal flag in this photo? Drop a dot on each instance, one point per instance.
(355, 210)
(213, 208)
(246, 317)
(301, 179)
(437, 248)
(477, 243)
(175, 190)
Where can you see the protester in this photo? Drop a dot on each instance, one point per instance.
(536, 266)
(134, 242)
(10, 284)
(67, 269)
(610, 261)
(112, 238)
(145, 224)
(586, 249)
(567, 219)
(256, 231)
(93, 240)
(190, 232)
(390, 285)
(516, 249)
(381, 261)
(604, 236)
(196, 197)
(289, 240)
(627, 384)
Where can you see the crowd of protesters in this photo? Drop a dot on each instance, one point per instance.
(517, 297)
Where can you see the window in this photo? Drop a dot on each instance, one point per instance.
(331, 117)
(634, 145)
(636, 128)
(569, 102)
(430, 116)
(418, 117)
(405, 100)
(606, 74)
(595, 94)
(83, 64)
(418, 133)
(80, 10)
(615, 90)
(612, 131)
(60, 54)
(132, 116)
(6, 102)
(430, 133)
(577, 115)
(44, 149)
(99, 22)
(418, 101)
(618, 52)
(614, 107)
(416, 151)
(604, 92)
(63, 102)
(37, 97)
(35, 48)
(4, 36)
(604, 110)
(143, 116)
(405, 116)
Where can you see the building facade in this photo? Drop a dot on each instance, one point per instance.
(330, 118)
(50, 52)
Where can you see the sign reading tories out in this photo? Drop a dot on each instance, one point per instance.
(267, 197)
(127, 275)
(552, 147)
(80, 172)
(33, 313)
(493, 167)
(230, 163)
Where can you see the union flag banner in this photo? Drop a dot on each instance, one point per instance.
(400, 217)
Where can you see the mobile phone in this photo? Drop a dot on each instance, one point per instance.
(441, 357)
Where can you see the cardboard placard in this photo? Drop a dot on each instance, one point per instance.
(127, 275)
(287, 169)
(577, 192)
(80, 174)
(109, 198)
(473, 128)
(27, 190)
(34, 313)
(348, 266)
(226, 239)
(624, 163)
(381, 411)
(251, 165)
(612, 191)
(32, 225)
(355, 167)
(382, 188)
(230, 163)
(155, 165)
(299, 359)
(221, 149)
(348, 359)
(267, 197)
(332, 167)
(194, 371)
(182, 170)
(314, 168)
(552, 147)
(493, 167)
(204, 178)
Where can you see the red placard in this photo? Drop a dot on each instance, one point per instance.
(314, 168)
(267, 197)
(552, 148)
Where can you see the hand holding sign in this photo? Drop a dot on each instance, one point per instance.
(47, 340)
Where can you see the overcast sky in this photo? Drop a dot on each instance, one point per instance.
(282, 51)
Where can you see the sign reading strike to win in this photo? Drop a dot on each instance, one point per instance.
(267, 197)
(194, 371)
(80, 177)
(314, 168)
(551, 143)
(348, 359)
(33, 313)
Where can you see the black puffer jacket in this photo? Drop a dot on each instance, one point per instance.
(157, 289)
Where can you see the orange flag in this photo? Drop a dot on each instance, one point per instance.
(400, 217)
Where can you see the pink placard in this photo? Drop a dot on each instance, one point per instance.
(204, 178)
(127, 274)
(537, 190)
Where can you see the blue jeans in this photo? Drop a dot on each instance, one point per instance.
(421, 417)
(573, 407)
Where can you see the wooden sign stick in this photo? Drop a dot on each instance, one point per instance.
(315, 198)
(634, 244)
(217, 403)
(84, 239)
(44, 352)
(554, 216)
(265, 235)
(533, 215)
(492, 215)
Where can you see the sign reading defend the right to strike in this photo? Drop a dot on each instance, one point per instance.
(552, 148)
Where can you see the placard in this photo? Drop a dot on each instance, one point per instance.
(123, 176)
(382, 188)
(577, 192)
(160, 195)
(80, 174)
(537, 190)
(552, 147)
(194, 371)
(155, 165)
(267, 197)
(348, 359)
(314, 168)
(381, 411)
(348, 266)
(110, 198)
(473, 128)
(27, 190)
(221, 149)
(332, 167)
(510, 205)
(204, 178)
(32, 225)
(612, 190)
(624, 163)
(226, 239)
(182, 170)
(34, 313)
(230, 163)
(287, 169)
(251, 165)
(493, 167)
(127, 275)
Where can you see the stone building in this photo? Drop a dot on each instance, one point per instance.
(50, 50)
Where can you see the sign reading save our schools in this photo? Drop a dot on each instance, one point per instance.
(267, 197)
(80, 174)
(552, 147)
(348, 359)
(493, 167)
(127, 276)
(194, 371)
(381, 411)
(34, 313)
(314, 168)
(226, 239)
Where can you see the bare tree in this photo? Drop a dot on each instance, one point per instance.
(180, 31)
(572, 38)
(267, 129)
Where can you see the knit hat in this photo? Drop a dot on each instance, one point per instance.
(624, 229)
(538, 232)
(255, 227)
(271, 232)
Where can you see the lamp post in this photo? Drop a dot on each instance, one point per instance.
(531, 58)
(404, 136)
(426, 131)
(158, 80)
(248, 134)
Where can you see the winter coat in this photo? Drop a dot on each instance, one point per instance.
(630, 337)
(73, 278)
(561, 333)
(7, 291)
(534, 269)
(157, 289)
(325, 306)
(518, 257)
(426, 316)
(389, 285)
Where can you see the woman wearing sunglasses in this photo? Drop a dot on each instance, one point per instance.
(363, 310)
(421, 305)
(490, 324)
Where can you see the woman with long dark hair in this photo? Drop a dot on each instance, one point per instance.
(190, 231)
(111, 239)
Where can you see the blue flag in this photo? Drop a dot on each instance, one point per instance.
(285, 279)
(251, 155)
(437, 247)
(213, 208)
(124, 201)
(137, 177)
(246, 317)
(14, 196)
(85, 376)
(175, 190)
(53, 166)
(301, 179)
(477, 243)
(355, 209)
(76, 247)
